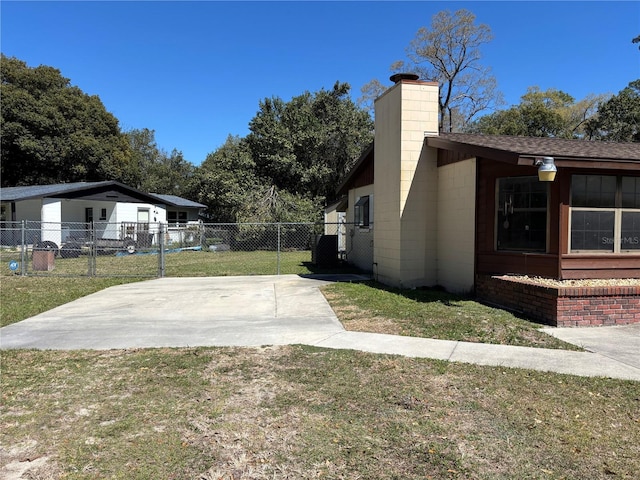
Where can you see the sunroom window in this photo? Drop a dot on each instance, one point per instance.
(605, 214)
(521, 214)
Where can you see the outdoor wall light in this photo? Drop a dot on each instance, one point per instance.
(546, 169)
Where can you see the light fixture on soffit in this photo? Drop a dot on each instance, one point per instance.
(546, 169)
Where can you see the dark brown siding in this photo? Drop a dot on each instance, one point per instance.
(580, 266)
(364, 177)
(600, 266)
(557, 262)
(532, 264)
(490, 261)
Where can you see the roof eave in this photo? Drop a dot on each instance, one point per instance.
(520, 157)
(588, 163)
(150, 198)
(355, 169)
(54, 192)
(473, 150)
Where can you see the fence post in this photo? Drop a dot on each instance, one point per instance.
(278, 254)
(93, 251)
(161, 259)
(23, 249)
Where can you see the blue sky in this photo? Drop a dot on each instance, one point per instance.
(195, 72)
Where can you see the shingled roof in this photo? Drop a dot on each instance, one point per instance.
(78, 189)
(522, 151)
(515, 149)
(176, 201)
(26, 192)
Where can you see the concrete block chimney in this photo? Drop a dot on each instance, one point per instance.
(406, 186)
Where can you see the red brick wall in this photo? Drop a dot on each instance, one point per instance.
(562, 306)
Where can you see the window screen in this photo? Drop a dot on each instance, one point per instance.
(630, 234)
(630, 192)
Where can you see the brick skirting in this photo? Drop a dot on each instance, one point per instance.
(562, 306)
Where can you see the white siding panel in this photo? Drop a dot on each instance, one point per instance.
(51, 215)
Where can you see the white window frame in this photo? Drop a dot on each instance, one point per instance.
(617, 226)
(617, 230)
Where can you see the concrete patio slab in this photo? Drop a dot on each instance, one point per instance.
(283, 310)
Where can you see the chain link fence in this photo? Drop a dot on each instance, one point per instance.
(158, 249)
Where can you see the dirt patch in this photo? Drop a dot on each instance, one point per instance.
(22, 461)
(247, 440)
(356, 319)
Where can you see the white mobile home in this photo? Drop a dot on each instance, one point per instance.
(117, 211)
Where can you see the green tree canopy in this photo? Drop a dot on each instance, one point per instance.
(53, 132)
(228, 184)
(618, 118)
(306, 146)
(156, 170)
(549, 113)
(294, 157)
(225, 181)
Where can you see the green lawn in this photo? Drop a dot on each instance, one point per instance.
(373, 307)
(185, 263)
(306, 413)
(202, 263)
(302, 412)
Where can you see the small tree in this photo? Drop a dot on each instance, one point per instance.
(370, 91)
(449, 53)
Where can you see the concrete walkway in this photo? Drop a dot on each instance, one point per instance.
(282, 310)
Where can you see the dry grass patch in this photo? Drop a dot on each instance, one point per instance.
(306, 413)
(373, 307)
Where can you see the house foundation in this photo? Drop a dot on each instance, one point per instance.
(562, 306)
